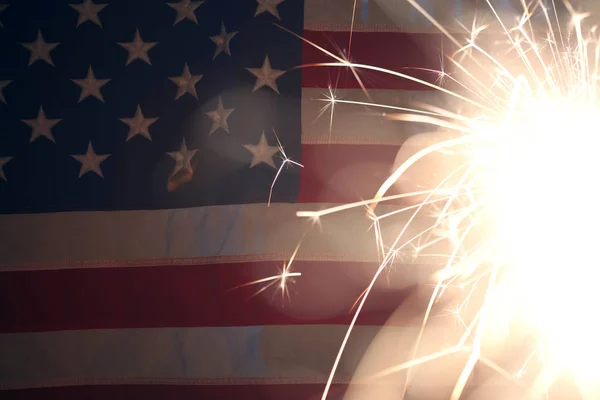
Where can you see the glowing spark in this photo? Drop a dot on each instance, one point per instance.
(455, 312)
(280, 280)
(330, 100)
(286, 160)
(343, 62)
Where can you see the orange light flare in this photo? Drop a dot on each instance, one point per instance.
(509, 184)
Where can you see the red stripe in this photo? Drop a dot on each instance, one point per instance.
(344, 173)
(184, 296)
(395, 51)
(563, 388)
(160, 392)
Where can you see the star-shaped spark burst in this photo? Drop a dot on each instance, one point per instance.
(473, 32)
(90, 86)
(269, 6)
(185, 9)
(282, 279)
(266, 76)
(186, 83)
(138, 49)
(41, 126)
(329, 99)
(222, 41)
(88, 11)
(90, 161)
(40, 49)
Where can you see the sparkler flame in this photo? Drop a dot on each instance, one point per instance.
(509, 183)
(517, 208)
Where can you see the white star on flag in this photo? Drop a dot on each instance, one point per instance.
(90, 86)
(266, 76)
(186, 83)
(219, 117)
(138, 125)
(40, 49)
(183, 158)
(3, 162)
(88, 11)
(222, 41)
(90, 161)
(269, 6)
(41, 126)
(185, 9)
(262, 152)
(3, 84)
(138, 49)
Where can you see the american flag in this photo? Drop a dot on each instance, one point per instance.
(137, 151)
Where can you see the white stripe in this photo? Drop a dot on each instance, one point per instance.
(360, 124)
(203, 354)
(209, 355)
(370, 16)
(201, 235)
(401, 16)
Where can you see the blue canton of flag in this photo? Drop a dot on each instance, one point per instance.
(147, 104)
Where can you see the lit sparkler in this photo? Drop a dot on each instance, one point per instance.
(517, 207)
